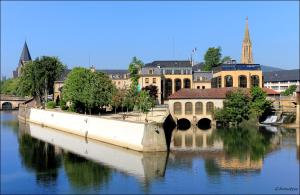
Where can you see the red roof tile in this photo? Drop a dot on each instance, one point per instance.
(269, 91)
(211, 93)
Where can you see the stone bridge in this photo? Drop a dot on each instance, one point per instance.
(10, 102)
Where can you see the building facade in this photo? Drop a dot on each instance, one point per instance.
(237, 75)
(281, 80)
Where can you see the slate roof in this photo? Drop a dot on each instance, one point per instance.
(108, 71)
(25, 55)
(211, 93)
(198, 67)
(282, 75)
(170, 63)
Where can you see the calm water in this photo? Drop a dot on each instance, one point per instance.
(42, 160)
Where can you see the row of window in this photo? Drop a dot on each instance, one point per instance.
(176, 71)
(147, 80)
(228, 81)
(188, 108)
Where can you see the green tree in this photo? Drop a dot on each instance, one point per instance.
(226, 59)
(236, 108)
(290, 90)
(134, 68)
(87, 90)
(9, 86)
(144, 102)
(37, 77)
(259, 103)
(130, 98)
(212, 58)
(117, 98)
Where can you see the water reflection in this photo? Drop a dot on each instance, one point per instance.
(233, 149)
(85, 161)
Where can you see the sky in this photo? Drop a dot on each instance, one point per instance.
(108, 34)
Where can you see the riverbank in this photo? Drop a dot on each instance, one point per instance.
(135, 135)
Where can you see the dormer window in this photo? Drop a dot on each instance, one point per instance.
(150, 71)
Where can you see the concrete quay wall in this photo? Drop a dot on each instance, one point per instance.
(139, 136)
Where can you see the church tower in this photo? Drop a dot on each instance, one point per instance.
(24, 58)
(247, 47)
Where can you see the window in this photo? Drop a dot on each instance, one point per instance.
(188, 108)
(168, 71)
(177, 84)
(243, 81)
(283, 87)
(214, 83)
(119, 82)
(219, 82)
(198, 78)
(228, 81)
(177, 71)
(177, 108)
(198, 87)
(198, 108)
(150, 71)
(146, 80)
(209, 107)
(187, 83)
(203, 87)
(275, 87)
(153, 80)
(254, 80)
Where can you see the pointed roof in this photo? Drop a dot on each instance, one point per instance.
(247, 35)
(25, 56)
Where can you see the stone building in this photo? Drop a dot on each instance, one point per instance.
(24, 58)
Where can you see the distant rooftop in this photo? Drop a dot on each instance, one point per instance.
(166, 64)
(234, 67)
(282, 75)
(119, 72)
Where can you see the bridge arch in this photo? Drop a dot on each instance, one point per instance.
(204, 124)
(7, 106)
(183, 124)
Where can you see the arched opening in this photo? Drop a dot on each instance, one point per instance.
(254, 80)
(199, 108)
(6, 106)
(204, 124)
(168, 88)
(177, 84)
(209, 107)
(187, 83)
(228, 81)
(188, 108)
(183, 124)
(177, 108)
(243, 81)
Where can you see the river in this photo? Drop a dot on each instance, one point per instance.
(37, 159)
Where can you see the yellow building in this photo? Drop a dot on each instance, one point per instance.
(237, 75)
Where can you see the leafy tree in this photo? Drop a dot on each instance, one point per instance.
(290, 90)
(212, 58)
(152, 89)
(117, 98)
(37, 77)
(144, 102)
(134, 68)
(9, 86)
(226, 59)
(236, 108)
(87, 90)
(130, 98)
(259, 104)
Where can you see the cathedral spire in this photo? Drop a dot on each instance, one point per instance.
(25, 55)
(247, 47)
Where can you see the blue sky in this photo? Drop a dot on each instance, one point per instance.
(111, 33)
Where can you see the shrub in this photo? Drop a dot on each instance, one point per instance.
(63, 104)
(50, 104)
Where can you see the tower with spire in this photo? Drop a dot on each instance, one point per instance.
(24, 58)
(247, 47)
